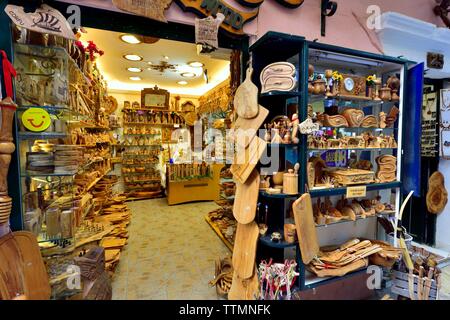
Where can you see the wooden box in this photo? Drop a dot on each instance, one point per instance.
(400, 285)
(348, 177)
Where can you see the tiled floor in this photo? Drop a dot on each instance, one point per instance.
(170, 253)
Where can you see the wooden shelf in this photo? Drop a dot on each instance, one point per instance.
(343, 190)
(219, 233)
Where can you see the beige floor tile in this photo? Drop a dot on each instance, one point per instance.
(170, 253)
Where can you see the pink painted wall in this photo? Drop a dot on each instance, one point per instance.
(343, 28)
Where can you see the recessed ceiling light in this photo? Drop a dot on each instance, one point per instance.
(129, 38)
(166, 57)
(133, 57)
(188, 74)
(183, 83)
(196, 64)
(149, 62)
(133, 69)
(135, 78)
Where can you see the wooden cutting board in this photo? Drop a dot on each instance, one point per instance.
(246, 97)
(306, 228)
(244, 289)
(246, 198)
(242, 124)
(37, 285)
(22, 269)
(244, 252)
(246, 161)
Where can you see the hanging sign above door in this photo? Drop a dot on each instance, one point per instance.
(44, 20)
(153, 9)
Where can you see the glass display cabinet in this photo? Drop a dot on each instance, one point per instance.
(351, 153)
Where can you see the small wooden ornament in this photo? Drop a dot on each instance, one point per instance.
(437, 195)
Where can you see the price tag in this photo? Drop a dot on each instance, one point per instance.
(356, 192)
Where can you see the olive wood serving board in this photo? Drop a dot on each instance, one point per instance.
(246, 198)
(244, 252)
(306, 228)
(242, 124)
(246, 161)
(244, 289)
(246, 97)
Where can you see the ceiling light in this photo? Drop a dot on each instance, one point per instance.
(183, 83)
(129, 38)
(133, 57)
(149, 62)
(166, 57)
(133, 69)
(135, 78)
(188, 74)
(196, 64)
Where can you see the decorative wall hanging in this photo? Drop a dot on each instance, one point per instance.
(429, 124)
(155, 98)
(444, 125)
(44, 20)
(153, 9)
(206, 32)
(437, 195)
(328, 8)
(442, 10)
(234, 19)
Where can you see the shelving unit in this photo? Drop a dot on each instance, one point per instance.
(276, 47)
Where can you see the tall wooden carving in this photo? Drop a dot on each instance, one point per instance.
(7, 147)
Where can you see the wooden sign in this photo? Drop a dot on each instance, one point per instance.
(435, 60)
(356, 192)
(153, 9)
(234, 19)
(44, 20)
(155, 98)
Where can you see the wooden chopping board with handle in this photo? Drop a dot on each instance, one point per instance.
(246, 161)
(11, 275)
(246, 198)
(246, 97)
(245, 125)
(244, 289)
(244, 252)
(306, 228)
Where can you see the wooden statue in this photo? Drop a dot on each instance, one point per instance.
(7, 147)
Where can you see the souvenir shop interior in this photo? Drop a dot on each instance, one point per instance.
(155, 168)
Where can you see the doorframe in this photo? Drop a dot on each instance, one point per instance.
(112, 21)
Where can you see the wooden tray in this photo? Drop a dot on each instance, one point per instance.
(347, 177)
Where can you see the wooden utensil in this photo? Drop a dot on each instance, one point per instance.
(243, 125)
(246, 161)
(244, 252)
(306, 228)
(246, 198)
(246, 97)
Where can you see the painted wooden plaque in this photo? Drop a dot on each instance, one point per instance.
(153, 9)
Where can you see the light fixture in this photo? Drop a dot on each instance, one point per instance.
(129, 38)
(149, 62)
(346, 59)
(166, 57)
(196, 64)
(135, 78)
(134, 69)
(188, 74)
(183, 83)
(133, 57)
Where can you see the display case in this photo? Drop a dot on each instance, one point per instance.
(349, 145)
(62, 149)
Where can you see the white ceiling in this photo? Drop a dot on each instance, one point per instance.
(114, 67)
